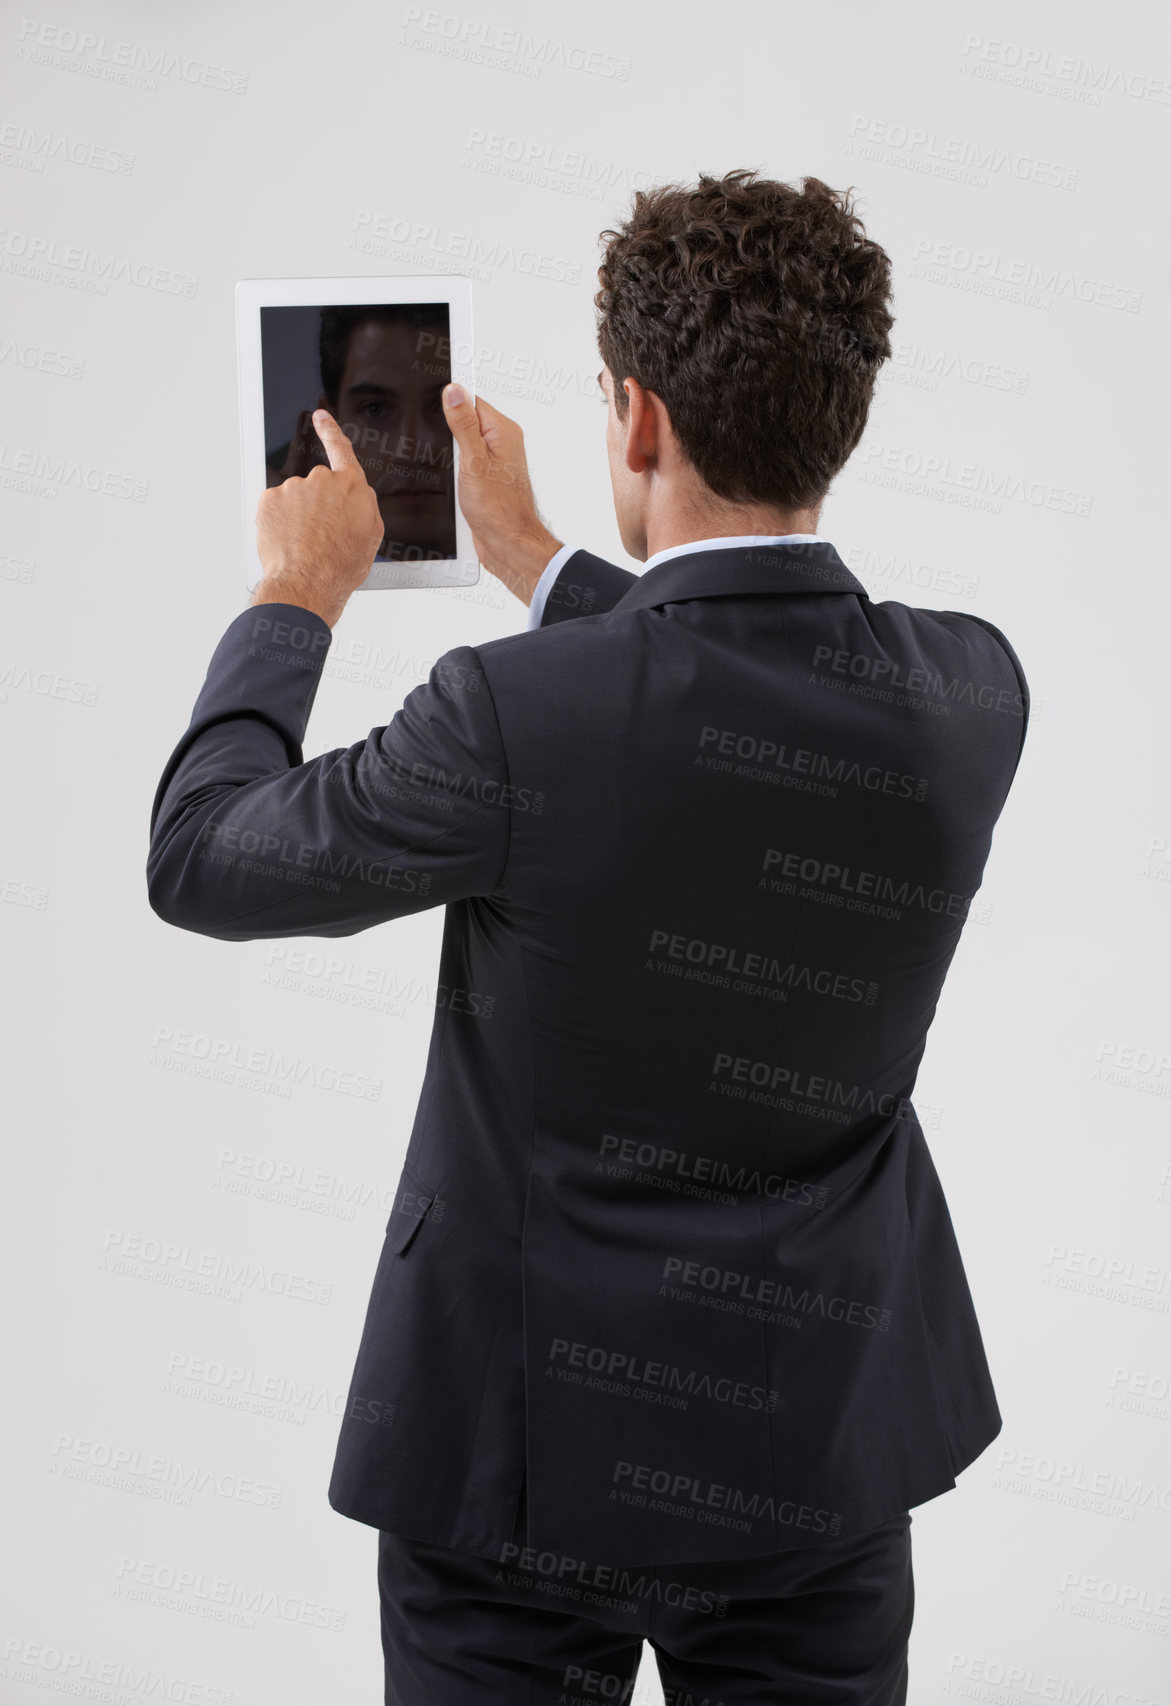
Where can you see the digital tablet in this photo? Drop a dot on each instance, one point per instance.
(375, 352)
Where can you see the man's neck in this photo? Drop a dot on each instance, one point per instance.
(750, 520)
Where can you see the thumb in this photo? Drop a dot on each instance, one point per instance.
(461, 417)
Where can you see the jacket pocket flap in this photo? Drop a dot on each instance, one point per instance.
(412, 1204)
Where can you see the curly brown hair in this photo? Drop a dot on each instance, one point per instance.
(758, 314)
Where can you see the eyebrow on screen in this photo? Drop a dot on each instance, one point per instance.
(371, 388)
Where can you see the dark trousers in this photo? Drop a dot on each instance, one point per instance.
(823, 1625)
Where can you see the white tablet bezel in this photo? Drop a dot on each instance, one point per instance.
(252, 294)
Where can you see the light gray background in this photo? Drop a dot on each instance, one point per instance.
(276, 140)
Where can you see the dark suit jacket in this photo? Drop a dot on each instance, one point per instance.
(669, 1254)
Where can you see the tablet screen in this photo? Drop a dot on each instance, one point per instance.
(380, 370)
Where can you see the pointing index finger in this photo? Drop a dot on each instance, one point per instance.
(337, 446)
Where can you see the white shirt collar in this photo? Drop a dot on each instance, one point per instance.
(739, 539)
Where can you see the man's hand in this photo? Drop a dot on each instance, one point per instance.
(496, 495)
(317, 533)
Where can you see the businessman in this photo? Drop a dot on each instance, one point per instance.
(669, 1330)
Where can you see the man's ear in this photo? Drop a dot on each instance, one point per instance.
(641, 427)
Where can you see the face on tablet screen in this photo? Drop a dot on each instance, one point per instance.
(380, 371)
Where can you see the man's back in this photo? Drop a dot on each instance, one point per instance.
(670, 1260)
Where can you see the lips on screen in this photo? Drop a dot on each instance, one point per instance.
(380, 370)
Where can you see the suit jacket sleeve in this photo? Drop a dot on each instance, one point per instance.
(586, 586)
(1023, 697)
(247, 841)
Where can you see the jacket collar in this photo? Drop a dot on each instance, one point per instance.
(799, 567)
